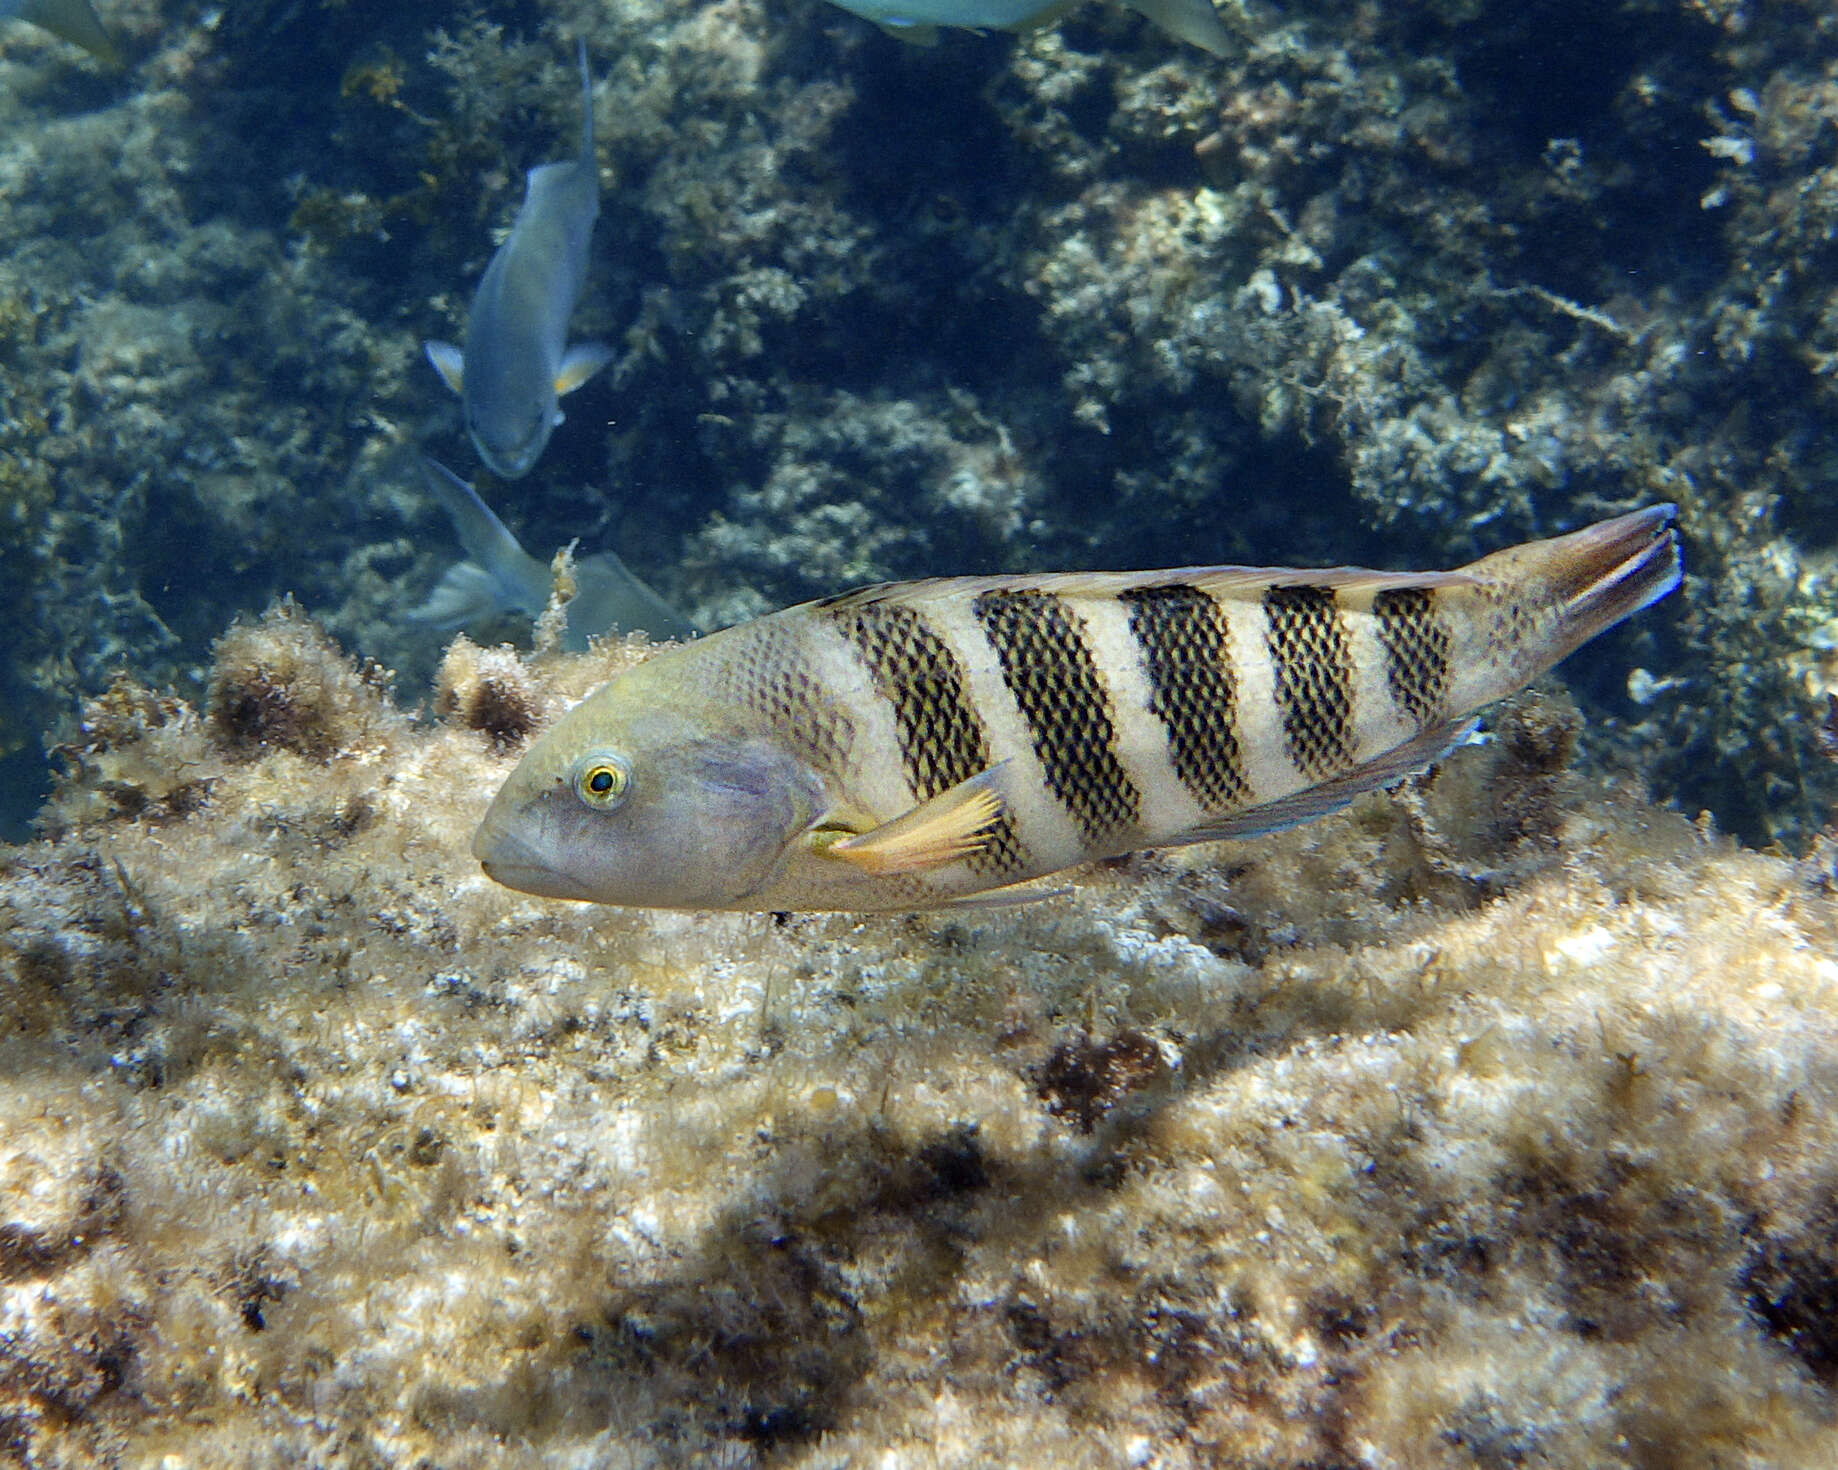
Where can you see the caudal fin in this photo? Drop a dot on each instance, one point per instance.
(1594, 577)
(1635, 559)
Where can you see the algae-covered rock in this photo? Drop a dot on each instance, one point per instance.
(1487, 1123)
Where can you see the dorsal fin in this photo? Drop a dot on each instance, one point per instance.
(74, 21)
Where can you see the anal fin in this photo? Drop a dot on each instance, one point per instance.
(945, 829)
(1010, 895)
(1395, 764)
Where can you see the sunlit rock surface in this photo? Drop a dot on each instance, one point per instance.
(1488, 1124)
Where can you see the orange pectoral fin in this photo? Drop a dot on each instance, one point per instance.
(580, 363)
(946, 829)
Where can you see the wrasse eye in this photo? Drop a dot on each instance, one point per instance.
(601, 782)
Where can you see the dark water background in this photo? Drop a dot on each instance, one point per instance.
(1391, 285)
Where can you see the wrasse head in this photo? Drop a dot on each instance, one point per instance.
(631, 800)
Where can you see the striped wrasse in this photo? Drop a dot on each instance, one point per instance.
(918, 744)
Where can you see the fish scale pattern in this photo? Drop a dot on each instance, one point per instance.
(771, 676)
(1313, 673)
(1194, 690)
(1416, 646)
(1049, 669)
(942, 739)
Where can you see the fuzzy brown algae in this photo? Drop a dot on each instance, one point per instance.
(918, 744)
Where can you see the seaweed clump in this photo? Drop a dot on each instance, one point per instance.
(137, 753)
(281, 683)
(488, 690)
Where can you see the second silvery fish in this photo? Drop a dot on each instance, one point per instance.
(516, 361)
(499, 576)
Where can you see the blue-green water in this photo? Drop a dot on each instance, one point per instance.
(1394, 285)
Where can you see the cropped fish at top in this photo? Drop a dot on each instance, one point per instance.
(917, 21)
(918, 744)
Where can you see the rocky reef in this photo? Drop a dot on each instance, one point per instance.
(1391, 284)
(1487, 1124)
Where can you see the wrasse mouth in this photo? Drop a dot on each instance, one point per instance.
(512, 862)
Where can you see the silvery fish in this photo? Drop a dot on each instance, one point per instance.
(917, 744)
(74, 21)
(516, 361)
(918, 20)
(499, 576)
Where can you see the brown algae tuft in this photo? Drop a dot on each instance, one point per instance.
(489, 690)
(280, 684)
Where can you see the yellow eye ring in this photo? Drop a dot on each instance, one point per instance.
(601, 782)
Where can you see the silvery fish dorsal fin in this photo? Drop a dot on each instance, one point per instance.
(1317, 801)
(946, 829)
(485, 538)
(466, 593)
(74, 21)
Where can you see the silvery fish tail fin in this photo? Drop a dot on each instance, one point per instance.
(464, 595)
(70, 20)
(498, 575)
(1194, 21)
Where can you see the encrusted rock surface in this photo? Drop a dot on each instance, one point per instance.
(1487, 1124)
